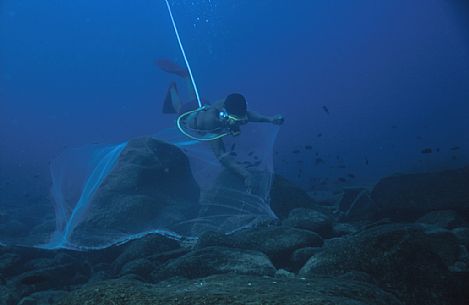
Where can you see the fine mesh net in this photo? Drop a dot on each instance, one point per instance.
(109, 194)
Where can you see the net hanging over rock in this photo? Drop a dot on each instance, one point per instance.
(165, 183)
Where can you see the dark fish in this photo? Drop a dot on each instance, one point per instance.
(33, 280)
(317, 154)
(351, 176)
(319, 135)
(256, 158)
(308, 147)
(340, 179)
(296, 151)
(234, 154)
(233, 146)
(319, 161)
(455, 148)
(393, 126)
(326, 110)
(366, 161)
(438, 150)
(426, 151)
(250, 153)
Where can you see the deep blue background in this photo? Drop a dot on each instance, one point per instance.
(394, 75)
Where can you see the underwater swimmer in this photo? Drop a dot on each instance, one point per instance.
(222, 118)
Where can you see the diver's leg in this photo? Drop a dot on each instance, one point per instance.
(169, 66)
(190, 88)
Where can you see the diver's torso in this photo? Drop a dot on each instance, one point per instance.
(207, 119)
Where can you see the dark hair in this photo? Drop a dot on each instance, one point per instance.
(235, 104)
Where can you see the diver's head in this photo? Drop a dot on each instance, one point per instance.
(236, 106)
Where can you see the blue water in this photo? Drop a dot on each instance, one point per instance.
(394, 76)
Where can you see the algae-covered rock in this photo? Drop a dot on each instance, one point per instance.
(446, 219)
(407, 197)
(402, 257)
(235, 290)
(278, 243)
(150, 187)
(311, 220)
(216, 260)
(285, 197)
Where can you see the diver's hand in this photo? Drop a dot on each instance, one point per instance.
(278, 120)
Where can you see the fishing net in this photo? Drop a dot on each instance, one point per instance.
(167, 184)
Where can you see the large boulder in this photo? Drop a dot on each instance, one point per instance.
(407, 197)
(216, 260)
(405, 258)
(150, 187)
(278, 243)
(309, 219)
(356, 205)
(285, 197)
(446, 219)
(233, 289)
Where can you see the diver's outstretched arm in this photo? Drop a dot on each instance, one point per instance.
(255, 117)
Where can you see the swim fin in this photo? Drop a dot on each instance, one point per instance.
(168, 106)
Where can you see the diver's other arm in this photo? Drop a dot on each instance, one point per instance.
(255, 117)
(228, 162)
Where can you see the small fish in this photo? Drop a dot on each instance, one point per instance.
(340, 179)
(393, 126)
(326, 110)
(296, 151)
(234, 154)
(366, 161)
(426, 150)
(308, 147)
(351, 176)
(317, 154)
(250, 153)
(233, 146)
(438, 149)
(256, 158)
(455, 148)
(319, 135)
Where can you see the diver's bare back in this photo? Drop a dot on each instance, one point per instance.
(209, 119)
